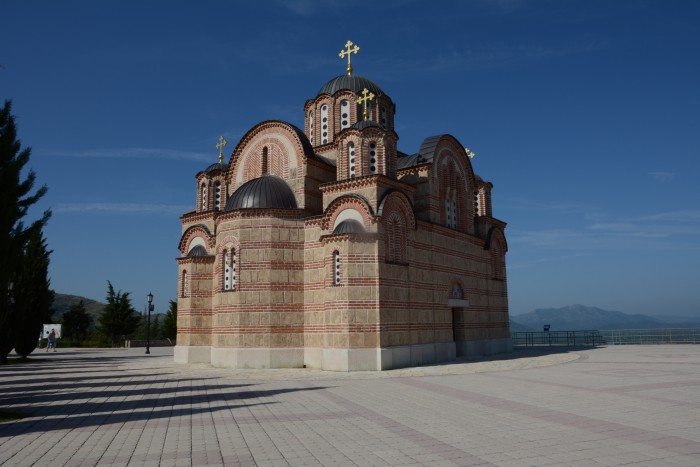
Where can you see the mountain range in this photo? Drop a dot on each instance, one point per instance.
(581, 317)
(568, 318)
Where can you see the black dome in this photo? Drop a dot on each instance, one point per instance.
(198, 250)
(353, 83)
(349, 226)
(213, 167)
(362, 124)
(267, 191)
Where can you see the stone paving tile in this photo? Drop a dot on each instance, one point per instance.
(607, 406)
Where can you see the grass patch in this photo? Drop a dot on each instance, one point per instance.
(6, 416)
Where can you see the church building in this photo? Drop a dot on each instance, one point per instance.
(326, 247)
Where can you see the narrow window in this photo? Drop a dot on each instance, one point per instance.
(394, 240)
(373, 158)
(229, 263)
(264, 161)
(324, 124)
(185, 285)
(451, 210)
(336, 268)
(344, 114)
(204, 197)
(351, 159)
(385, 121)
(217, 196)
(311, 126)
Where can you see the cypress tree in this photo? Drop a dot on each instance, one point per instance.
(15, 201)
(76, 322)
(118, 318)
(33, 295)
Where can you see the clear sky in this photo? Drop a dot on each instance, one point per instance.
(585, 115)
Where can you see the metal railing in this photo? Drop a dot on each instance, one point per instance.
(651, 336)
(552, 338)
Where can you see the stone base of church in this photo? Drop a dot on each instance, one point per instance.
(257, 358)
(375, 359)
(484, 347)
(192, 354)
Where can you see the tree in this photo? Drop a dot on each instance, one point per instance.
(33, 295)
(169, 326)
(118, 318)
(76, 322)
(15, 201)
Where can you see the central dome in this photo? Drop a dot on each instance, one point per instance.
(352, 83)
(267, 191)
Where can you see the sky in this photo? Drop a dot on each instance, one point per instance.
(585, 116)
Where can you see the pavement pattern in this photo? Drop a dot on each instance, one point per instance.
(604, 406)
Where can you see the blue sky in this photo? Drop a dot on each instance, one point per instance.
(583, 114)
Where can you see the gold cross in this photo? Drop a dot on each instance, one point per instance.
(220, 147)
(366, 96)
(350, 50)
(469, 152)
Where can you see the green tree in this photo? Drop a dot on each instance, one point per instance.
(15, 201)
(33, 295)
(169, 326)
(76, 322)
(118, 318)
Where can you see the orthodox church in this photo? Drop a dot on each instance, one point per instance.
(326, 247)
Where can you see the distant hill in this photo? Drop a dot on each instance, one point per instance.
(63, 302)
(519, 327)
(581, 317)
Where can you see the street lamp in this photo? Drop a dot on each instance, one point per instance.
(149, 297)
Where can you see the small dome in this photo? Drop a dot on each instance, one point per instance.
(267, 191)
(198, 250)
(352, 83)
(214, 167)
(362, 124)
(349, 226)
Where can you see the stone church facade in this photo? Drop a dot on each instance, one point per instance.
(329, 248)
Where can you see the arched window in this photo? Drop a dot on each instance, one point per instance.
(498, 262)
(373, 158)
(217, 196)
(311, 126)
(384, 121)
(185, 286)
(344, 114)
(203, 197)
(395, 239)
(264, 161)
(324, 124)
(229, 269)
(451, 209)
(477, 207)
(351, 160)
(336, 268)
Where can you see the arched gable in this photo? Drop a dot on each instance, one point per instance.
(395, 200)
(287, 145)
(495, 236)
(436, 148)
(196, 231)
(338, 205)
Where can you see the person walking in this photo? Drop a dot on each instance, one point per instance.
(52, 341)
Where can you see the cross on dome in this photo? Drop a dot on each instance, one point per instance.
(350, 50)
(220, 147)
(366, 96)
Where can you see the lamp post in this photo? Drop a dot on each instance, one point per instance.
(149, 297)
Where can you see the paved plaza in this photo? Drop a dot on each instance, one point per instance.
(604, 406)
